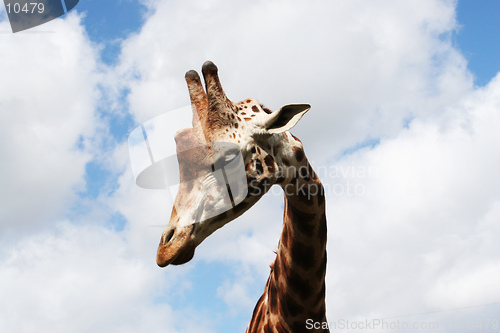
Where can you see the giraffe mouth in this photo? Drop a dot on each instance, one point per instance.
(176, 247)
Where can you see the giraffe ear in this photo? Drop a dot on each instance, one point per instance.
(285, 118)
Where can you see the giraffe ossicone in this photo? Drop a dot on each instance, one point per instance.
(228, 159)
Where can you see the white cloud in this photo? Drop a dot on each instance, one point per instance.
(365, 67)
(421, 236)
(47, 96)
(84, 279)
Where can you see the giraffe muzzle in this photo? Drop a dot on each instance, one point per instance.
(176, 246)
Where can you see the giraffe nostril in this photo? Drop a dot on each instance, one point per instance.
(168, 237)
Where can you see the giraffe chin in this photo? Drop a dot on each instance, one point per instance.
(184, 257)
(166, 257)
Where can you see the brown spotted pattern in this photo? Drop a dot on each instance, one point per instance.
(295, 290)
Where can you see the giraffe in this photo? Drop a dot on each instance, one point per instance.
(294, 295)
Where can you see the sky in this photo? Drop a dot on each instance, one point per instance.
(403, 133)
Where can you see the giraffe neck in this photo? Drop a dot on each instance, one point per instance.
(295, 290)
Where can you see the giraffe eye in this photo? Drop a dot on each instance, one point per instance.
(230, 157)
(226, 159)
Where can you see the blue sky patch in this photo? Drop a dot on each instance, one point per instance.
(479, 37)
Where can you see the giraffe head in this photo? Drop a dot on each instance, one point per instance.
(228, 160)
